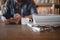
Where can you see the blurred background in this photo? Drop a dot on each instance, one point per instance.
(43, 7)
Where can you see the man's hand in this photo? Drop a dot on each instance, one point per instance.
(17, 18)
(17, 15)
(30, 16)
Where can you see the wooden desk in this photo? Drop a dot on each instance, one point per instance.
(19, 32)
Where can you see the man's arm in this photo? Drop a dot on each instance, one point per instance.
(6, 8)
(32, 9)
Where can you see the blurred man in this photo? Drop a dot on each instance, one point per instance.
(14, 10)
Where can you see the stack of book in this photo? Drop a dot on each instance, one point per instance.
(38, 28)
(35, 27)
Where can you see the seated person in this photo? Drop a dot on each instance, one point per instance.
(14, 10)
